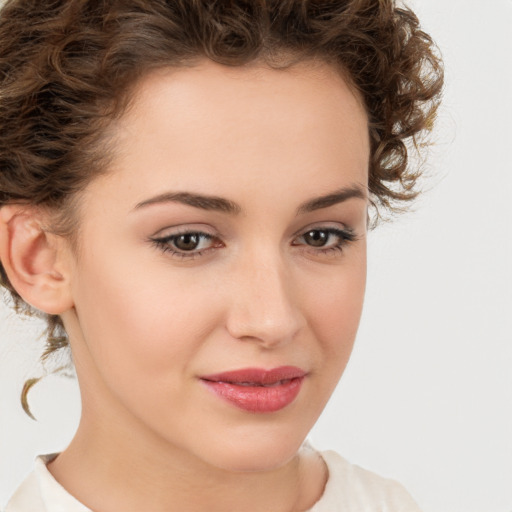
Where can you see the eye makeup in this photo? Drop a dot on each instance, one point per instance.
(193, 244)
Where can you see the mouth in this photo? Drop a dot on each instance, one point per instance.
(257, 390)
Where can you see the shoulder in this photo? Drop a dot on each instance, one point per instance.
(27, 496)
(40, 492)
(352, 488)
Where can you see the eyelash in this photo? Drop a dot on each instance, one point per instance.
(345, 236)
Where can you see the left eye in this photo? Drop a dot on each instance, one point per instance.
(328, 238)
(316, 238)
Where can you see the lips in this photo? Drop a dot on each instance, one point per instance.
(257, 390)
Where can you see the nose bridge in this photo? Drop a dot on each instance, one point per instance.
(263, 306)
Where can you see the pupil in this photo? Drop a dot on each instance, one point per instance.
(317, 238)
(187, 242)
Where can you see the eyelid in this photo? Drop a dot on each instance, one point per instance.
(325, 226)
(345, 234)
(181, 229)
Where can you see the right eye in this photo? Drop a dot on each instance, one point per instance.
(189, 244)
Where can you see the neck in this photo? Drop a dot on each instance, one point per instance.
(151, 474)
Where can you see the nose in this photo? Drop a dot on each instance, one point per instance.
(263, 307)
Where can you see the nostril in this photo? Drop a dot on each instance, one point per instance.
(266, 331)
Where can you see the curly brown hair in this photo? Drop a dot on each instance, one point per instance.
(67, 68)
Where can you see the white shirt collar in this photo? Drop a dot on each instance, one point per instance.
(54, 496)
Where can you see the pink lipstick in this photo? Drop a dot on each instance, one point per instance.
(257, 390)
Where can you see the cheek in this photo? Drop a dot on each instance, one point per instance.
(139, 324)
(335, 308)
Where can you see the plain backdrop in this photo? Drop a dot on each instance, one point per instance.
(427, 395)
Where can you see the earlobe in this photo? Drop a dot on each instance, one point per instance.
(34, 260)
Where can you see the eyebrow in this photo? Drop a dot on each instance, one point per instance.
(220, 204)
(201, 201)
(338, 196)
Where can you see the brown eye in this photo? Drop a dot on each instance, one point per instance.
(326, 241)
(187, 242)
(316, 238)
(191, 244)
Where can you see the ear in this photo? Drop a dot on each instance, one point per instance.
(35, 261)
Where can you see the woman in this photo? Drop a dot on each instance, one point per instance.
(185, 191)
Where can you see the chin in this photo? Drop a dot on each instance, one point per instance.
(252, 452)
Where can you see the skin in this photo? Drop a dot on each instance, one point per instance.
(144, 325)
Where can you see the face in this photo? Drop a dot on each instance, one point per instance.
(222, 262)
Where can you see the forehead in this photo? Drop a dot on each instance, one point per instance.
(247, 83)
(242, 94)
(214, 104)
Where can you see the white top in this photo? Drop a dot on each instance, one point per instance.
(349, 488)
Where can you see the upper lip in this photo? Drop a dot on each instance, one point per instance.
(257, 375)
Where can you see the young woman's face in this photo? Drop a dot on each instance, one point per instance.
(230, 234)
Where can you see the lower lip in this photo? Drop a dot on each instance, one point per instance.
(257, 398)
